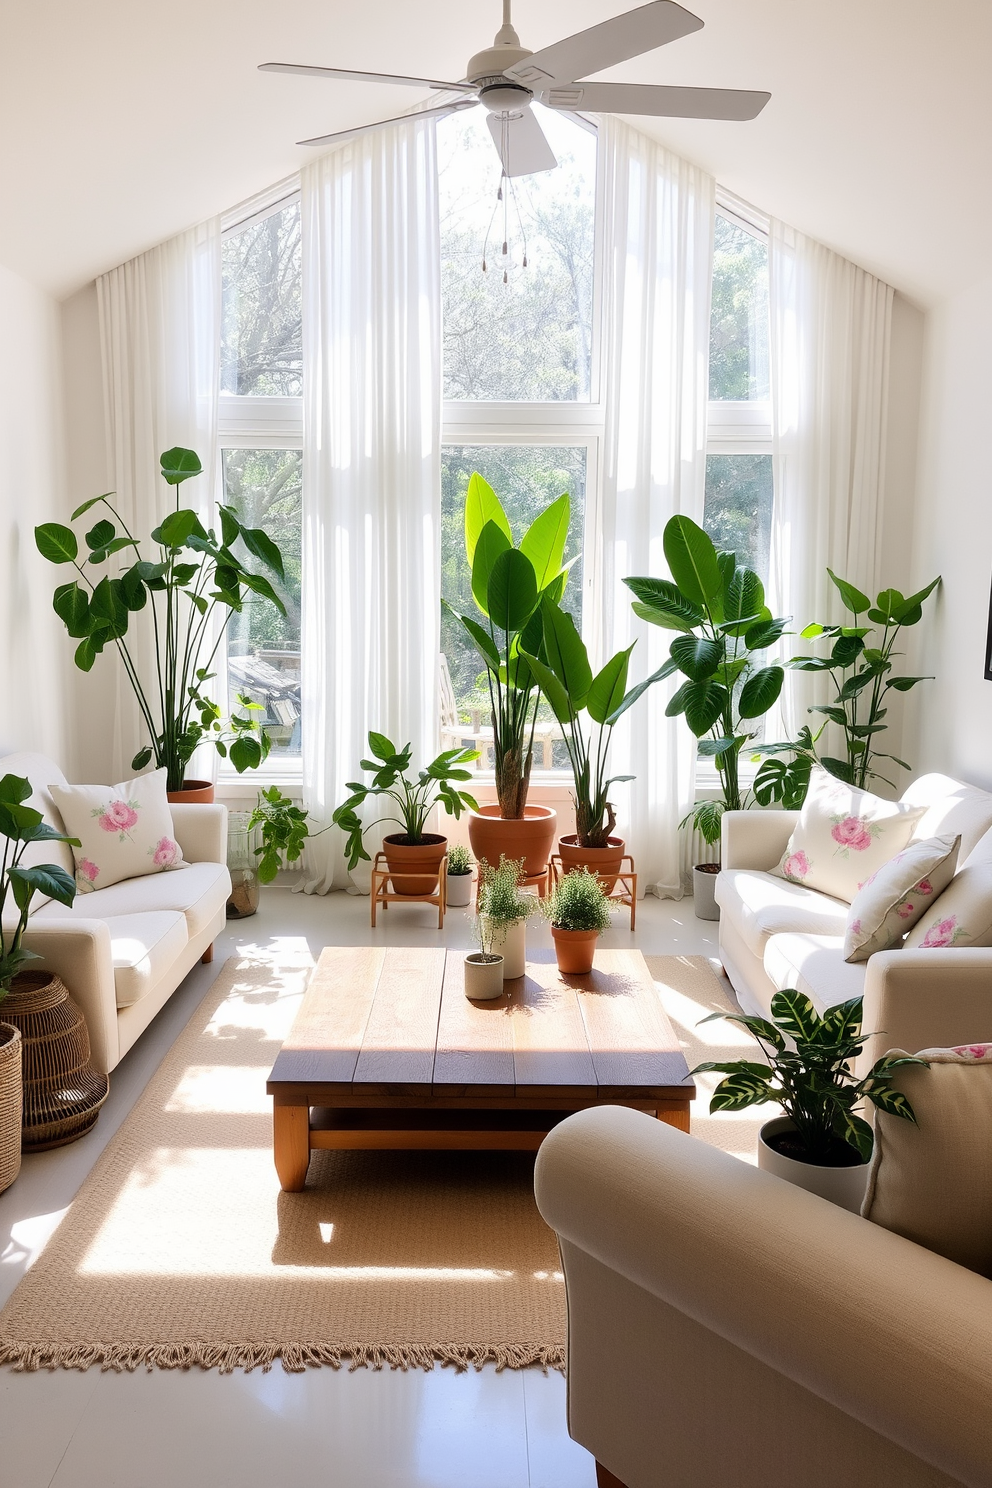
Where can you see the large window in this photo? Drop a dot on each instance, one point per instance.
(261, 429)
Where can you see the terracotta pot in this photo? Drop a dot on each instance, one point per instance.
(414, 867)
(63, 1093)
(529, 837)
(11, 1096)
(842, 1186)
(704, 877)
(574, 949)
(483, 979)
(459, 890)
(603, 861)
(193, 793)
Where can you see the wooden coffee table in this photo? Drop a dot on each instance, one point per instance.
(387, 1051)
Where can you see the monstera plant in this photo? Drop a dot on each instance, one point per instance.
(189, 589)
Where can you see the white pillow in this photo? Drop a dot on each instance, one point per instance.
(843, 836)
(962, 916)
(125, 831)
(897, 894)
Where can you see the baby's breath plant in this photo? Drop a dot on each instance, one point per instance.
(459, 860)
(577, 902)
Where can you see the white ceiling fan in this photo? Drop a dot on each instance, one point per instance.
(506, 78)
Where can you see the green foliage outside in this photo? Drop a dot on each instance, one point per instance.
(261, 318)
(739, 314)
(737, 510)
(265, 488)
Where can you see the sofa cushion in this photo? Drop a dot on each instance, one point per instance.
(815, 965)
(144, 947)
(124, 830)
(962, 916)
(950, 807)
(760, 905)
(897, 895)
(198, 893)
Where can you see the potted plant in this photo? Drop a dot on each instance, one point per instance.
(820, 1143)
(579, 912)
(413, 855)
(565, 677)
(505, 912)
(49, 1092)
(459, 888)
(718, 607)
(483, 969)
(191, 587)
(507, 585)
(285, 831)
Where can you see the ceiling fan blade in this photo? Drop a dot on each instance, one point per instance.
(440, 112)
(661, 102)
(602, 46)
(523, 148)
(342, 74)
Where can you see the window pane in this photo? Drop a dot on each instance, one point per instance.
(738, 507)
(739, 316)
(262, 335)
(263, 647)
(528, 339)
(526, 478)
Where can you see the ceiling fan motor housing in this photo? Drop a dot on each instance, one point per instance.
(499, 93)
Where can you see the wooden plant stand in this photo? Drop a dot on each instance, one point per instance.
(627, 877)
(382, 893)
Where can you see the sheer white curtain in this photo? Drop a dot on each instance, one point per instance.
(829, 364)
(160, 343)
(656, 232)
(371, 464)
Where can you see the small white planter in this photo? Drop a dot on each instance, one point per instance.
(483, 979)
(704, 892)
(842, 1186)
(510, 942)
(459, 890)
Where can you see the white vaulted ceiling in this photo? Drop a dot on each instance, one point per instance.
(125, 121)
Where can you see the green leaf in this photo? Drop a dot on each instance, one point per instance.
(71, 603)
(492, 542)
(259, 585)
(635, 692)
(716, 748)
(903, 684)
(381, 747)
(740, 1090)
(608, 687)
(133, 591)
(673, 610)
(692, 559)
(794, 1012)
(56, 543)
(511, 595)
(707, 817)
(176, 528)
(552, 688)
(45, 878)
(566, 653)
(100, 535)
(893, 1102)
(836, 715)
(178, 465)
(81, 510)
(142, 758)
(910, 612)
(855, 1131)
(544, 541)
(760, 692)
(853, 598)
(245, 753)
(842, 1021)
(810, 632)
(745, 598)
(483, 640)
(108, 608)
(846, 649)
(888, 602)
(697, 656)
(261, 546)
(482, 506)
(701, 702)
(86, 654)
(838, 768)
(667, 619)
(764, 633)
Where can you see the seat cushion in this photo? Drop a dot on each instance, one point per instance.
(761, 905)
(815, 965)
(198, 892)
(144, 947)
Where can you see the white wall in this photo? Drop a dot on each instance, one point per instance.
(32, 643)
(951, 719)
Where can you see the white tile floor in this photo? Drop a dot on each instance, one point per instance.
(322, 1429)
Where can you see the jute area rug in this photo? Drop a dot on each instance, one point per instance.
(180, 1249)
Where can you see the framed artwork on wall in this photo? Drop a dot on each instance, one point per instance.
(988, 645)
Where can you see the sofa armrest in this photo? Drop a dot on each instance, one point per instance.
(887, 1332)
(925, 999)
(79, 951)
(201, 832)
(755, 839)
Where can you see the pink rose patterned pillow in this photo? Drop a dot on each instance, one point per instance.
(843, 836)
(962, 916)
(895, 896)
(125, 831)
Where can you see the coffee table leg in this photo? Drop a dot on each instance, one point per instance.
(291, 1145)
(678, 1117)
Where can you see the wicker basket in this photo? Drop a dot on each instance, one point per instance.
(63, 1093)
(10, 1104)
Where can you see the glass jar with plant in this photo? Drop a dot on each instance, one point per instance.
(413, 855)
(190, 589)
(503, 913)
(507, 584)
(460, 864)
(579, 912)
(820, 1142)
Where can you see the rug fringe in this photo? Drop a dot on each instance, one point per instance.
(295, 1358)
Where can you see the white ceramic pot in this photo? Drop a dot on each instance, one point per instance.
(459, 890)
(483, 979)
(510, 942)
(842, 1186)
(704, 891)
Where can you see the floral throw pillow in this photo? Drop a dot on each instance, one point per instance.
(125, 831)
(843, 836)
(895, 896)
(962, 916)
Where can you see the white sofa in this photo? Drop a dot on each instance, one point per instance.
(726, 1327)
(775, 934)
(122, 951)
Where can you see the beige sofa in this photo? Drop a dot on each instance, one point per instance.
(122, 951)
(775, 934)
(725, 1327)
